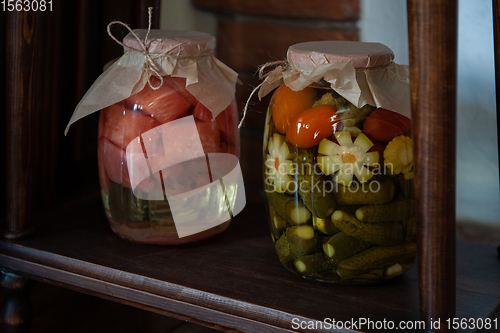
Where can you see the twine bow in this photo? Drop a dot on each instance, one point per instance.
(281, 66)
(150, 57)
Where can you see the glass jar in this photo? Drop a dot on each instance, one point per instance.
(139, 211)
(338, 177)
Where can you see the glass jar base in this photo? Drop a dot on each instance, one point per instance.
(367, 278)
(162, 235)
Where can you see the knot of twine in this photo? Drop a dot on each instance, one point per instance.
(282, 65)
(149, 65)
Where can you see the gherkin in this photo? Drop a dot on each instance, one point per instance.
(377, 258)
(391, 212)
(312, 185)
(388, 233)
(314, 263)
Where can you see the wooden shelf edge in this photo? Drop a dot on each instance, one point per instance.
(127, 288)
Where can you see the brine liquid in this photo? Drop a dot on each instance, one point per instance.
(151, 221)
(124, 126)
(302, 243)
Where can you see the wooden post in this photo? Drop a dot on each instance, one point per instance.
(20, 121)
(432, 27)
(16, 312)
(496, 30)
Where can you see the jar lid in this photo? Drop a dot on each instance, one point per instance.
(193, 43)
(359, 54)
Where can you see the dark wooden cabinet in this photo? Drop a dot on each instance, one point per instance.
(233, 282)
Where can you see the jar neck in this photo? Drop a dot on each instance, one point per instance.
(305, 69)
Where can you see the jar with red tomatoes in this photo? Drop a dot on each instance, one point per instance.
(165, 106)
(338, 163)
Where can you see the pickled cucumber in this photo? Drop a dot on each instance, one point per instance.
(314, 263)
(393, 271)
(295, 242)
(351, 209)
(355, 115)
(288, 208)
(378, 274)
(303, 160)
(391, 212)
(350, 115)
(325, 226)
(312, 185)
(386, 233)
(374, 192)
(407, 185)
(376, 258)
(411, 227)
(283, 249)
(341, 246)
(339, 102)
(299, 234)
(125, 207)
(301, 239)
(278, 225)
(277, 222)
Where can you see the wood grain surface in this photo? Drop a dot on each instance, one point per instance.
(433, 70)
(16, 311)
(496, 35)
(20, 59)
(233, 281)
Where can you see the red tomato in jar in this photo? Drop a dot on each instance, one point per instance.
(308, 128)
(287, 103)
(384, 125)
(168, 103)
(120, 125)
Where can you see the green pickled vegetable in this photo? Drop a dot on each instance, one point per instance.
(350, 115)
(300, 233)
(283, 249)
(304, 160)
(325, 226)
(278, 225)
(355, 115)
(314, 263)
(340, 103)
(407, 185)
(160, 213)
(288, 208)
(341, 246)
(387, 233)
(125, 207)
(411, 227)
(391, 212)
(394, 270)
(312, 191)
(295, 242)
(351, 209)
(376, 258)
(373, 192)
(312, 185)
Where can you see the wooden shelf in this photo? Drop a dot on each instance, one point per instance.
(233, 281)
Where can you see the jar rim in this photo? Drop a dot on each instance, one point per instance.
(359, 54)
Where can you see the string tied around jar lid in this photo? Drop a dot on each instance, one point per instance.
(149, 65)
(280, 67)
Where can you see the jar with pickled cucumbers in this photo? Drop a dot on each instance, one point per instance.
(166, 105)
(338, 164)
